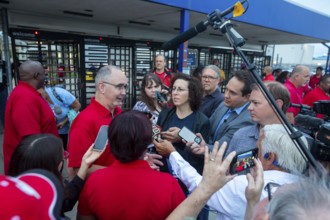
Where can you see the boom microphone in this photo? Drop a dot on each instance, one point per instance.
(200, 27)
(192, 32)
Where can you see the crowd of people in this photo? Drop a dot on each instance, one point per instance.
(179, 178)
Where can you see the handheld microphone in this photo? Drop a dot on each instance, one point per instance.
(200, 27)
(308, 121)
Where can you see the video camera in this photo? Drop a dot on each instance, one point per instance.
(317, 128)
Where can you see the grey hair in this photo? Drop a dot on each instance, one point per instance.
(309, 198)
(214, 68)
(104, 73)
(299, 69)
(279, 142)
(269, 69)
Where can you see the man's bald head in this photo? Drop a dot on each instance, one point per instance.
(28, 69)
(33, 73)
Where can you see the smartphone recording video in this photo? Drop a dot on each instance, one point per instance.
(160, 97)
(156, 132)
(242, 162)
(101, 139)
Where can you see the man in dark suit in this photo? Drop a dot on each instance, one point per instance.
(232, 113)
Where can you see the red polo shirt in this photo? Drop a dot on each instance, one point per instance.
(295, 96)
(315, 95)
(165, 78)
(84, 130)
(130, 191)
(26, 113)
(269, 77)
(314, 81)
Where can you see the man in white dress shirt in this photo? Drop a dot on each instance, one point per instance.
(280, 159)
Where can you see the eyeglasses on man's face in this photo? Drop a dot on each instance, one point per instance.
(119, 87)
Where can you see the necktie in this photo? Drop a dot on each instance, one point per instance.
(224, 119)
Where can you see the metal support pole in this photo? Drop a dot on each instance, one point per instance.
(4, 18)
(327, 68)
(183, 50)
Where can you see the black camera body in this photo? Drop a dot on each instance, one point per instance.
(317, 128)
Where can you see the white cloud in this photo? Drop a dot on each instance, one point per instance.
(319, 6)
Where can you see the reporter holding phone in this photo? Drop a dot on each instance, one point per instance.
(186, 96)
(129, 188)
(151, 94)
(280, 159)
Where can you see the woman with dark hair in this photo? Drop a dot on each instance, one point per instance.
(186, 96)
(150, 96)
(282, 77)
(129, 188)
(45, 151)
(197, 72)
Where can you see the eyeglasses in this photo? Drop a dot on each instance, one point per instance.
(179, 90)
(209, 77)
(120, 87)
(270, 188)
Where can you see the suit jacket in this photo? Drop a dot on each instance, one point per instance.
(230, 125)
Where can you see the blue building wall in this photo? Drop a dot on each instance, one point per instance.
(274, 14)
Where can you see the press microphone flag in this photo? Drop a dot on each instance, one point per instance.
(201, 26)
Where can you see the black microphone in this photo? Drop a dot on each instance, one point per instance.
(301, 106)
(192, 32)
(200, 27)
(308, 121)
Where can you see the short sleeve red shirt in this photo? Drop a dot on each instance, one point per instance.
(295, 96)
(314, 81)
(130, 191)
(84, 130)
(269, 77)
(315, 95)
(165, 78)
(26, 113)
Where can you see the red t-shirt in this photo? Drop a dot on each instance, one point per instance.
(130, 191)
(295, 96)
(269, 77)
(84, 130)
(165, 78)
(314, 81)
(26, 113)
(315, 95)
